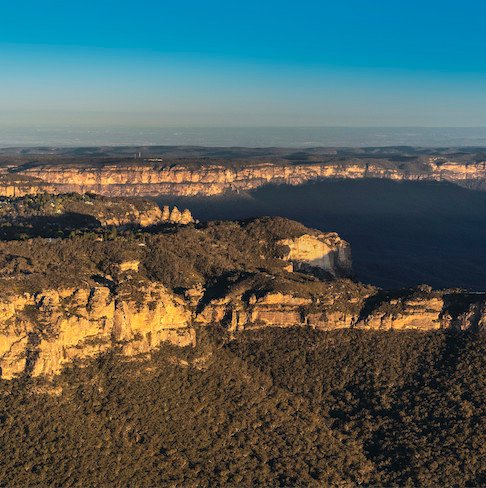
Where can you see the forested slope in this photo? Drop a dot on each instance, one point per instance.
(270, 408)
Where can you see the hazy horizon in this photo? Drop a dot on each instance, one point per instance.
(292, 137)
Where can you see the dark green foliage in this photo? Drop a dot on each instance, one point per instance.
(38, 264)
(178, 257)
(415, 402)
(217, 422)
(269, 408)
(69, 214)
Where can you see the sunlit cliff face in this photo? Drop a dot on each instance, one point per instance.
(42, 332)
(214, 179)
(72, 298)
(327, 252)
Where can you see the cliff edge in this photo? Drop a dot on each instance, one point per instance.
(212, 178)
(74, 297)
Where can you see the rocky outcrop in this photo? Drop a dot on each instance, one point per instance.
(470, 317)
(151, 214)
(70, 299)
(104, 211)
(273, 309)
(336, 307)
(415, 310)
(154, 179)
(175, 216)
(326, 253)
(40, 333)
(425, 309)
(420, 313)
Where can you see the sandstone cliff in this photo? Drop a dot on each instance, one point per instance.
(42, 332)
(154, 179)
(88, 209)
(279, 309)
(321, 251)
(348, 308)
(72, 298)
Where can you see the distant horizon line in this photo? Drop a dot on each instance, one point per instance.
(232, 127)
(250, 136)
(54, 147)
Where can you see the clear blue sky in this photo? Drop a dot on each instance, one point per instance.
(243, 63)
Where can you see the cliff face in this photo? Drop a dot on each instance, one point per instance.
(420, 313)
(425, 309)
(72, 298)
(320, 252)
(104, 211)
(42, 332)
(424, 312)
(277, 309)
(212, 179)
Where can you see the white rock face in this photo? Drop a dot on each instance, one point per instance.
(327, 252)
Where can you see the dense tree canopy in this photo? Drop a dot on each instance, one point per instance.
(270, 407)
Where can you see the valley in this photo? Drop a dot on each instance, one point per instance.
(281, 329)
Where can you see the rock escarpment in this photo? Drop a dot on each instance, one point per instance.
(319, 252)
(42, 332)
(72, 210)
(72, 298)
(349, 307)
(337, 307)
(178, 178)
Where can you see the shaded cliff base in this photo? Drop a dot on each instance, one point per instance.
(402, 233)
(270, 407)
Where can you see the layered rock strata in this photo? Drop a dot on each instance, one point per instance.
(42, 332)
(320, 252)
(422, 312)
(70, 299)
(105, 211)
(154, 179)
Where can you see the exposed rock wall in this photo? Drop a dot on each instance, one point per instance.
(322, 252)
(40, 333)
(275, 310)
(212, 179)
(426, 312)
(104, 210)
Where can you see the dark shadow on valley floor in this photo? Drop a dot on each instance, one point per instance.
(402, 234)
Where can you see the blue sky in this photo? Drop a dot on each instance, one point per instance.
(248, 63)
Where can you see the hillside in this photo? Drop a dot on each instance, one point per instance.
(224, 353)
(268, 408)
(100, 288)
